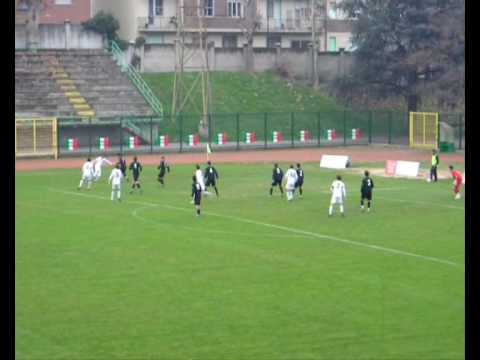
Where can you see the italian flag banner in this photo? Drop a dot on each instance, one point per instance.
(330, 134)
(193, 140)
(356, 134)
(163, 140)
(277, 137)
(72, 144)
(104, 143)
(250, 138)
(222, 138)
(133, 142)
(305, 135)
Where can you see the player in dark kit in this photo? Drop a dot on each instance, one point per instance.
(366, 191)
(163, 167)
(123, 166)
(196, 194)
(211, 175)
(136, 169)
(299, 182)
(277, 177)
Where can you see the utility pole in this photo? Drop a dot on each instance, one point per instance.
(314, 47)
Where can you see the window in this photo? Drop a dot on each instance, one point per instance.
(303, 13)
(269, 8)
(229, 41)
(234, 8)
(156, 7)
(208, 7)
(332, 42)
(63, 2)
(300, 44)
(332, 10)
(273, 40)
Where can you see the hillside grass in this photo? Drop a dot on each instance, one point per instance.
(243, 93)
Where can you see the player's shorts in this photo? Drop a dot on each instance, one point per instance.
(116, 187)
(87, 177)
(276, 182)
(162, 174)
(290, 186)
(367, 195)
(458, 188)
(136, 177)
(197, 199)
(97, 174)
(299, 183)
(210, 182)
(336, 200)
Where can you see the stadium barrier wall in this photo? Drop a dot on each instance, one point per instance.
(239, 131)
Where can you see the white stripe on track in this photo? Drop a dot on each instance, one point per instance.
(284, 228)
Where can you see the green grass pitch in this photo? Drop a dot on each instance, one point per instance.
(254, 277)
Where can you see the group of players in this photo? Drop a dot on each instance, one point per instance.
(201, 181)
(295, 178)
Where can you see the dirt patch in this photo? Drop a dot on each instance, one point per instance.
(358, 154)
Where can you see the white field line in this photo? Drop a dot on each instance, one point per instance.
(284, 228)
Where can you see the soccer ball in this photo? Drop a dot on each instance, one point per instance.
(428, 179)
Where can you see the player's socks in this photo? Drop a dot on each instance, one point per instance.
(113, 195)
(216, 190)
(198, 212)
(271, 191)
(330, 210)
(80, 185)
(341, 210)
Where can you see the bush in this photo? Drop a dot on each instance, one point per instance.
(104, 24)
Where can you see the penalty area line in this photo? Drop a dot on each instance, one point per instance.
(284, 228)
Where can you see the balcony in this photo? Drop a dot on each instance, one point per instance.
(289, 25)
(164, 23)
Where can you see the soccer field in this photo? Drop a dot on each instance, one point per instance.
(254, 277)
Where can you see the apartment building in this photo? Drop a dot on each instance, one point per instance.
(227, 22)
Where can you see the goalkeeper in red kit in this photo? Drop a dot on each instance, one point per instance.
(458, 179)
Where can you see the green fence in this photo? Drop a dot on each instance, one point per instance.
(242, 131)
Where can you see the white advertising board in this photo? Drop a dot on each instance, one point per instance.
(407, 168)
(334, 161)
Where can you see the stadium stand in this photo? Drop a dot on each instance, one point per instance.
(90, 74)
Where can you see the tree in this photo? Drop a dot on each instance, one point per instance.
(404, 47)
(249, 25)
(105, 24)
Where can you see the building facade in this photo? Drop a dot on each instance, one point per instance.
(287, 23)
(55, 11)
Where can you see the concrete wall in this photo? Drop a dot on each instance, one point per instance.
(53, 36)
(297, 62)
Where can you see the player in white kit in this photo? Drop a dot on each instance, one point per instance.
(87, 174)
(292, 177)
(339, 194)
(115, 179)
(97, 167)
(201, 180)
